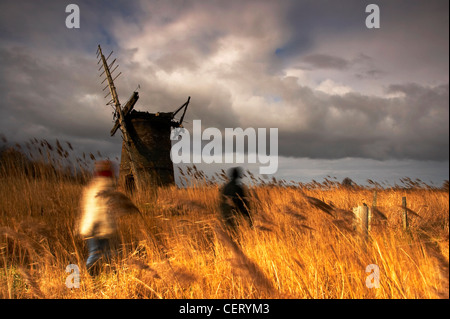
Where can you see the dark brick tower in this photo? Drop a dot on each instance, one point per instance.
(150, 148)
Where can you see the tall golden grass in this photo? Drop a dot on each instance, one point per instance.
(303, 244)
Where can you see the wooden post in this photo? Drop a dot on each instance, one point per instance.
(372, 209)
(404, 214)
(362, 219)
(365, 220)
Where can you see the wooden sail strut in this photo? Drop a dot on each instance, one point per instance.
(121, 117)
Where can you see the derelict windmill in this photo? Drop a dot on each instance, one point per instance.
(145, 158)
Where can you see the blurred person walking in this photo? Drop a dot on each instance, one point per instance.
(97, 223)
(234, 204)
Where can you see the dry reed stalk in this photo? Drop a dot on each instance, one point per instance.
(299, 263)
(410, 211)
(327, 209)
(264, 218)
(157, 238)
(343, 225)
(39, 228)
(435, 252)
(192, 205)
(291, 212)
(305, 227)
(241, 261)
(184, 276)
(35, 290)
(377, 213)
(70, 145)
(267, 199)
(26, 241)
(143, 266)
(345, 214)
(304, 286)
(147, 287)
(264, 228)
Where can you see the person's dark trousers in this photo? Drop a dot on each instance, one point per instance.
(97, 248)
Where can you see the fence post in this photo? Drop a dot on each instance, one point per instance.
(365, 220)
(372, 209)
(362, 219)
(404, 214)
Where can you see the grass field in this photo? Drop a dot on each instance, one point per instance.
(303, 244)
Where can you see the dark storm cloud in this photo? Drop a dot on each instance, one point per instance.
(40, 25)
(413, 126)
(32, 95)
(48, 73)
(325, 61)
(233, 59)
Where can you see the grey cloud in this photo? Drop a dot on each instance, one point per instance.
(178, 60)
(363, 65)
(366, 67)
(43, 88)
(415, 126)
(370, 74)
(325, 61)
(43, 97)
(353, 125)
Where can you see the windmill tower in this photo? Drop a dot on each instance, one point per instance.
(145, 158)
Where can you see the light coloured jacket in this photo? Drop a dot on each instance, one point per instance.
(96, 218)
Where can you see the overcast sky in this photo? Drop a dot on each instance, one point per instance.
(347, 100)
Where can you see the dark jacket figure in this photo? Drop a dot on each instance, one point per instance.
(233, 201)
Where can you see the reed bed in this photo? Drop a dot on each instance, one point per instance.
(303, 244)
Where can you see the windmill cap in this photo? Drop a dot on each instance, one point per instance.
(103, 168)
